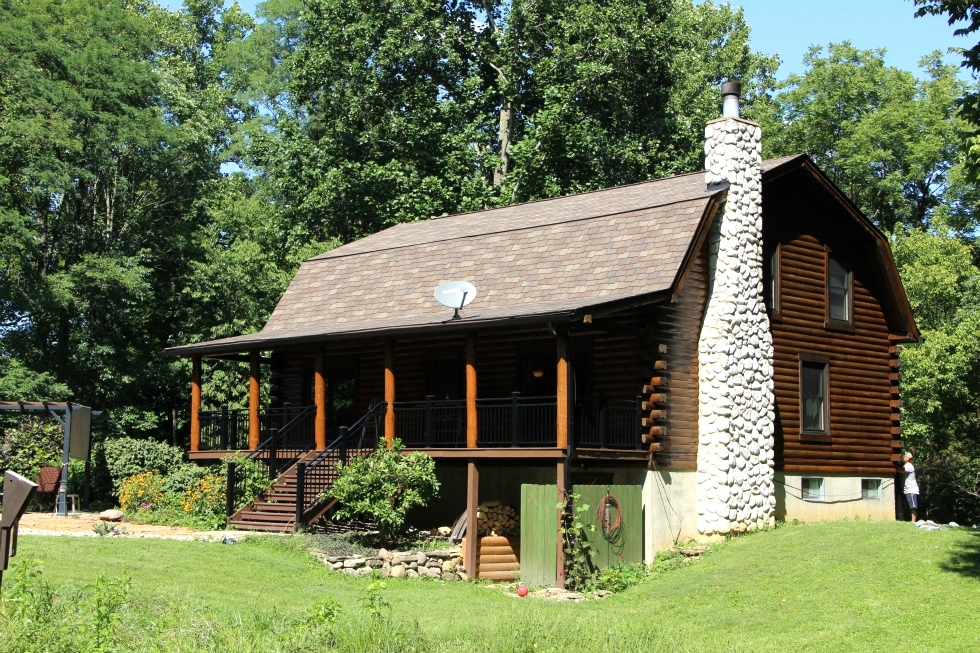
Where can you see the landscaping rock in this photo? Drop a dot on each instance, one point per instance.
(601, 594)
(384, 554)
(352, 563)
(363, 571)
(421, 558)
(402, 558)
(448, 576)
(112, 515)
(434, 563)
(374, 563)
(337, 565)
(448, 566)
(398, 571)
(441, 555)
(350, 572)
(444, 531)
(462, 575)
(411, 573)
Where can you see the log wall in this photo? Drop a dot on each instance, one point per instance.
(863, 380)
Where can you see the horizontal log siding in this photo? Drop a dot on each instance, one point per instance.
(678, 326)
(861, 417)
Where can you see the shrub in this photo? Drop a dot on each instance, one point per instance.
(127, 457)
(621, 577)
(142, 492)
(181, 478)
(32, 444)
(206, 497)
(383, 487)
(256, 475)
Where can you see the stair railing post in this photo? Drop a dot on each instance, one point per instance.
(230, 491)
(638, 421)
(273, 444)
(343, 444)
(224, 428)
(300, 493)
(428, 420)
(515, 419)
(603, 426)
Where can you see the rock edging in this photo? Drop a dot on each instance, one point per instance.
(438, 565)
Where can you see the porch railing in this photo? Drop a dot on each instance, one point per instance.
(227, 429)
(431, 423)
(517, 421)
(610, 425)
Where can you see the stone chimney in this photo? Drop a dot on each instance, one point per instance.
(736, 403)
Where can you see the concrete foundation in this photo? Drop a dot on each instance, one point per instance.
(669, 510)
(842, 498)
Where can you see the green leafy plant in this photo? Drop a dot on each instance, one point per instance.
(620, 577)
(383, 487)
(108, 597)
(579, 570)
(127, 457)
(30, 445)
(256, 477)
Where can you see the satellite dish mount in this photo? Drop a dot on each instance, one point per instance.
(456, 295)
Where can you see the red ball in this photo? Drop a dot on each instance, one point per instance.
(522, 590)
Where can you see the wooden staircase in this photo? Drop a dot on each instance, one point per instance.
(274, 509)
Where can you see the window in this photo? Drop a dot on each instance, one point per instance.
(814, 395)
(772, 283)
(812, 489)
(839, 303)
(871, 488)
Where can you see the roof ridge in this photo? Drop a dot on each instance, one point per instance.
(323, 257)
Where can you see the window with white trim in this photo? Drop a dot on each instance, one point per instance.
(812, 489)
(839, 291)
(871, 489)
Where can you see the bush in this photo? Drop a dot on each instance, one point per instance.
(32, 444)
(621, 577)
(383, 487)
(181, 478)
(127, 457)
(206, 497)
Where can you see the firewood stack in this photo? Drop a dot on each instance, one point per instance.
(655, 408)
(497, 520)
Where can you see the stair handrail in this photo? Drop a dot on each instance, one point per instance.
(338, 445)
(236, 472)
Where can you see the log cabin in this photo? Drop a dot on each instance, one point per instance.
(728, 340)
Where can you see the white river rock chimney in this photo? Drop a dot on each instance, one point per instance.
(736, 403)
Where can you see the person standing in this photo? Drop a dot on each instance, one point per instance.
(911, 487)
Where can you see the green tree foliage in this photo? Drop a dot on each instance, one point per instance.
(887, 138)
(31, 444)
(401, 112)
(383, 487)
(941, 376)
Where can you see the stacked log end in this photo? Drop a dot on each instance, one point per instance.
(895, 378)
(656, 404)
(495, 519)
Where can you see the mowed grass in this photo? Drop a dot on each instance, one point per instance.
(839, 586)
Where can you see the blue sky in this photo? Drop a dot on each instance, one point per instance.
(789, 27)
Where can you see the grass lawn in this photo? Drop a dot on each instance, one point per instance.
(839, 586)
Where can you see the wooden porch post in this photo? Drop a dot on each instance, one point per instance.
(320, 397)
(562, 393)
(254, 372)
(471, 418)
(390, 391)
(195, 403)
(471, 554)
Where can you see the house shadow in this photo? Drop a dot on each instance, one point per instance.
(965, 559)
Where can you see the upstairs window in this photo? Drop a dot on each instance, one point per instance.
(814, 396)
(772, 282)
(839, 302)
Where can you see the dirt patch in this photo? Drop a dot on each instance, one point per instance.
(80, 525)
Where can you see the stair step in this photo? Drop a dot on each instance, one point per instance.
(261, 506)
(265, 517)
(267, 528)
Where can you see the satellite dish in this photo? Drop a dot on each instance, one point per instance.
(456, 295)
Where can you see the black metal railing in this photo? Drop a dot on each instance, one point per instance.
(315, 476)
(431, 423)
(227, 429)
(610, 425)
(517, 421)
(283, 446)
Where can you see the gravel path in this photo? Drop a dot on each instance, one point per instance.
(80, 525)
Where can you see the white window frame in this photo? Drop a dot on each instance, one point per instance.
(809, 493)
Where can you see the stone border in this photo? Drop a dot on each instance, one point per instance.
(439, 565)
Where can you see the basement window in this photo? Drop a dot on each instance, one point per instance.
(871, 489)
(812, 489)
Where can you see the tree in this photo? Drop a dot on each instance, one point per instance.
(401, 112)
(888, 139)
(941, 376)
(383, 487)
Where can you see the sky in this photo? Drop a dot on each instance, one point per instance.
(789, 27)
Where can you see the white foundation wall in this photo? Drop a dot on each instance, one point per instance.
(669, 510)
(842, 498)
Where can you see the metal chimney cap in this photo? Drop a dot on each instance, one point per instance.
(731, 88)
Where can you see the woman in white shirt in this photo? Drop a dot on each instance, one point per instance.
(911, 487)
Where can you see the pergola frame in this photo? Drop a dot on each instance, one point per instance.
(61, 411)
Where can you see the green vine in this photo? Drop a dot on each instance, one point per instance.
(580, 573)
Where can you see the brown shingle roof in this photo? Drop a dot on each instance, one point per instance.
(535, 260)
